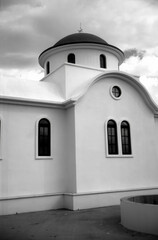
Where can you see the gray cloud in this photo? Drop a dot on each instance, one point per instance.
(134, 52)
(4, 4)
(29, 27)
(18, 61)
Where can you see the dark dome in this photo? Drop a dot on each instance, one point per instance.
(80, 38)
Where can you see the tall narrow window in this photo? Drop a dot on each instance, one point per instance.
(48, 67)
(102, 61)
(71, 58)
(44, 137)
(125, 137)
(112, 137)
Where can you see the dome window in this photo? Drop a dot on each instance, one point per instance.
(102, 61)
(71, 58)
(48, 67)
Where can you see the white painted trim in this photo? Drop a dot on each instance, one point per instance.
(37, 103)
(31, 102)
(36, 139)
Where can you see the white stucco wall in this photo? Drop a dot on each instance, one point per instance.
(20, 172)
(70, 153)
(71, 79)
(156, 137)
(99, 172)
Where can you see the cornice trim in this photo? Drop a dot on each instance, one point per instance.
(37, 103)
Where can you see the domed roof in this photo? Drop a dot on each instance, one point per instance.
(80, 38)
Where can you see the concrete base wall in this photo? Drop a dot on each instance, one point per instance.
(101, 199)
(67, 200)
(30, 203)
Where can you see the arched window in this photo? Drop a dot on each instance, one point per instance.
(102, 61)
(125, 138)
(71, 58)
(112, 137)
(48, 67)
(44, 136)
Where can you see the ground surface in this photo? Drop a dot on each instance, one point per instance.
(100, 223)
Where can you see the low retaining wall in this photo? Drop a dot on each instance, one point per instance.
(140, 213)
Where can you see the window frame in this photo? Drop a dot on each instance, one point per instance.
(129, 138)
(111, 135)
(119, 155)
(111, 92)
(37, 139)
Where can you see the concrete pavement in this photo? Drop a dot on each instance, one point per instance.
(100, 223)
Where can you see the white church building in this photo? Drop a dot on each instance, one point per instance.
(82, 137)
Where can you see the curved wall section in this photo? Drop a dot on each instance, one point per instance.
(140, 213)
(85, 56)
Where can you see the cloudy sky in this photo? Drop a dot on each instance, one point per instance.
(27, 27)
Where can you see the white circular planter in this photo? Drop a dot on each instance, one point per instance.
(140, 213)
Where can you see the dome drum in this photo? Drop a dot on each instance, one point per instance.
(85, 44)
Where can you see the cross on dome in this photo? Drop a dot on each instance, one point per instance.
(80, 30)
